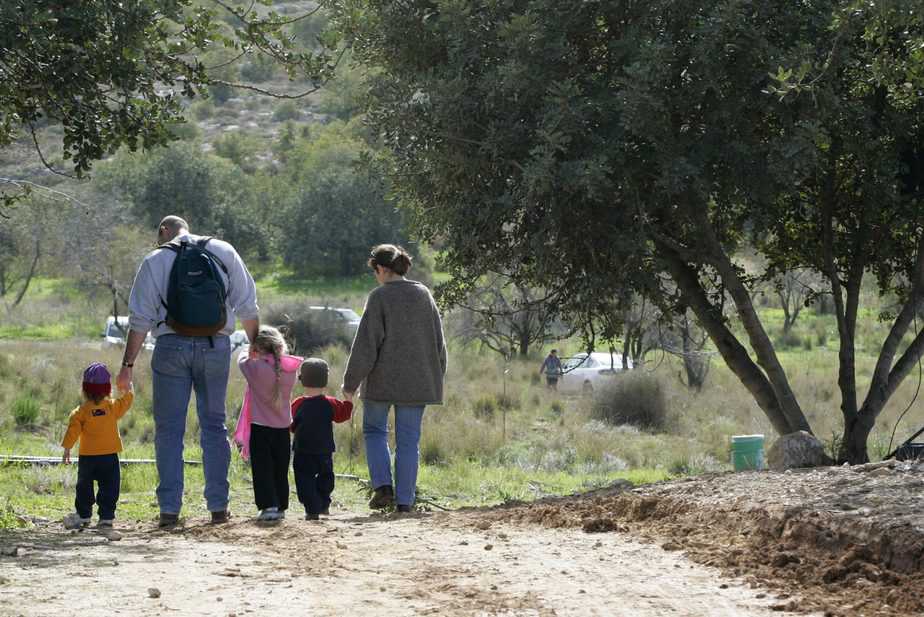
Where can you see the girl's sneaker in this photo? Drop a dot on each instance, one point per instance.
(75, 521)
(269, 514)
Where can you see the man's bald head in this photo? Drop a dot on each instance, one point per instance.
(170, 227)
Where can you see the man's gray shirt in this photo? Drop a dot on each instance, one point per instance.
(146, 304)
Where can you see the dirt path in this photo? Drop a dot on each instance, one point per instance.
(456, 564)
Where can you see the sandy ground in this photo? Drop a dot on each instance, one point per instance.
(352, 564)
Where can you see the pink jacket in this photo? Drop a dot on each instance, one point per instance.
(258, 406)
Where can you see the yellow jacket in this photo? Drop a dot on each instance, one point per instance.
(96, 425)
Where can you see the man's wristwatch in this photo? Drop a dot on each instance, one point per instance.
(127, 364)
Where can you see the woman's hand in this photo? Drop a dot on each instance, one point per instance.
(66, 457)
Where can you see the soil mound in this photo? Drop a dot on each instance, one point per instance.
(849, 541)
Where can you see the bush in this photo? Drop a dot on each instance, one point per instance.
(484, 407)
(306, 330)
(25, 411)
(259, 69)
(788, 340)
(286, 110)
(634, 398)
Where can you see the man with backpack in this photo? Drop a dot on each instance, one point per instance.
(188, 292)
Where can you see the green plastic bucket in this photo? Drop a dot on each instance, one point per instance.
(747, 452)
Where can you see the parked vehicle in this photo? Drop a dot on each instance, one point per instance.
(238, 339)
(345, 319)
(583, 372)
(116, 331)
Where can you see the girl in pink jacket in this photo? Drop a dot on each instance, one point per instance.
(270, 378)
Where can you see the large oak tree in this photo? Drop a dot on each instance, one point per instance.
(601, 147)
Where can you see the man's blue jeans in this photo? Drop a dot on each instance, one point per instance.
(407, 450)
(179, 365)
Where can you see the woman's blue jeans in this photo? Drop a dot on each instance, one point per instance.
(407, 447)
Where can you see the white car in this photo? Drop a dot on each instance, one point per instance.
(238, 339)
(117, 330)
(583, 372)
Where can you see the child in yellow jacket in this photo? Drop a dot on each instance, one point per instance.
(95, 424)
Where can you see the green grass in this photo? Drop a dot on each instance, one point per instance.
(43, 332)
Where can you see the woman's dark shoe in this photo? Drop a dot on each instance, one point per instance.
(403, 508)
(168, 520)
(382, 498)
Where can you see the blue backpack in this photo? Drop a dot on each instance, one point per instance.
(196, 293)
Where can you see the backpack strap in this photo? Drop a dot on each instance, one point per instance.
(201, 244)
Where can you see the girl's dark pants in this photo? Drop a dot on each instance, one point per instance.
(314, 480)
(269, 464)
(104, 470)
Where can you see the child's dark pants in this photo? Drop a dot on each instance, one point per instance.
(314, 480)
(104, 470)
(269, 464)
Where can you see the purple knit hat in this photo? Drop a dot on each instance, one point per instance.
(96, 380)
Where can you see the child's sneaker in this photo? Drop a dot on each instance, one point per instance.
(269, 514)
(75, 521)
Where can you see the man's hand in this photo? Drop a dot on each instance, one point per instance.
(66, 457)
(124, 380)
(251, 327)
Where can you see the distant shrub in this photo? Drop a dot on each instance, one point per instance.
(25, 411)
(634, 398)
(287, 110)
(432, 452)
(821, 332)
(259, 69)
(807, 342)
(788, 340)
(507, 401)
(557, 408)
(220, 93)
(484, 407)
(202, 110)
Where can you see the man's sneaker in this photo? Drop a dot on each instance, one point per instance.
(105, 523)
(220, 517)
(168, 520)
(75, 521)
(382, 498)
(282, 514)
(312, 517)
(403, 508)
(269, 514)
(325, 511)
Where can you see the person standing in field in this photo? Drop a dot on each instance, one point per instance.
(189, 291)
(398, 359)
(551, 366)
(95, 424)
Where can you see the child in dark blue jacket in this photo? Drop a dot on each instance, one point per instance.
(313, 448)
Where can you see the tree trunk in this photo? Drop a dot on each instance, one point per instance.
(856, 435)
(524, 344)
(757, 336)
(32, 268)
(732, 351)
